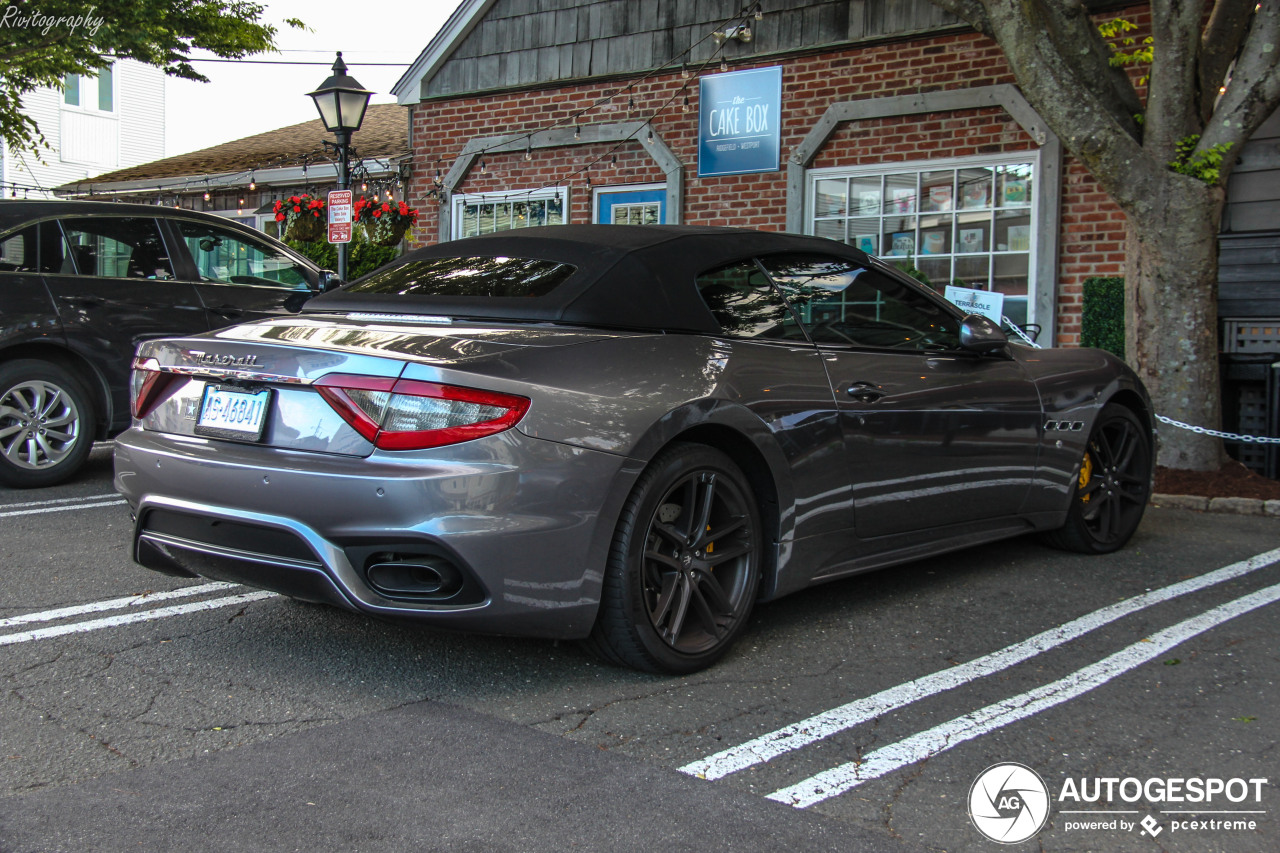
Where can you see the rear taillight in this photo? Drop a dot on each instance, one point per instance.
(148, 385)
(405, 414)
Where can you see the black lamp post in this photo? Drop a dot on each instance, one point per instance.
(342, 101)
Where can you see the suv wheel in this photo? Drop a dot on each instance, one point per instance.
(46, 424)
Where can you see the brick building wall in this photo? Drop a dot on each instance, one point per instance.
(1091, 226)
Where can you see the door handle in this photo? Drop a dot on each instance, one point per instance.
(228, 312)
(865, 392)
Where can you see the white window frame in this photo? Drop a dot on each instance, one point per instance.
(97, 81)
(459, 203)
(597, 191)
(991, 161)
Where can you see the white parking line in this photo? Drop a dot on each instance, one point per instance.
(107, 496)
(941, 738)
(836, 720)
(61, 505)
(131, 618)
(113, 604)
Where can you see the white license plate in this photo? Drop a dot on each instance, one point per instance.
(233, 413)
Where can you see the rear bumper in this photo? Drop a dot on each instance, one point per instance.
(505, 535)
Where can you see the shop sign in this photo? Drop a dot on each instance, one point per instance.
(988, 303)
(740, 122)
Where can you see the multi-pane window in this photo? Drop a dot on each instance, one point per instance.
(97, 92)
(970, 224)
(488, 213)
(644, 213)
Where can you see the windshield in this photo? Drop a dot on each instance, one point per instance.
(486, 278)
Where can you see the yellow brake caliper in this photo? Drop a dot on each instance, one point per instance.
(1086, 474)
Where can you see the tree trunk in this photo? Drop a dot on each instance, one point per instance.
(1171, 313)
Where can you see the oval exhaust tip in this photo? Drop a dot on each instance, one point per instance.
(414, 577)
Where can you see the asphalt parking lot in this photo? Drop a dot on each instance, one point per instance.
(144, 712)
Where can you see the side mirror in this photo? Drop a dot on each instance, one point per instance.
(329, 280)
(979, 334)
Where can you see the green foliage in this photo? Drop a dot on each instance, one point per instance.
(41, 43)
(1138, 53)
(364, 256)
(1203, 165)
(909, 267)
(1102, 318)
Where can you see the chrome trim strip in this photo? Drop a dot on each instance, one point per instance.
(227, 373)
(429, 319)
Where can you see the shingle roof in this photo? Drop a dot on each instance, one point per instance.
(385, 133)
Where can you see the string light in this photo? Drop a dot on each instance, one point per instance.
(253, 185)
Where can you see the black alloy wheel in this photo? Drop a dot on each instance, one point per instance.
(46, 424)
(1112, 488)
(684, 567)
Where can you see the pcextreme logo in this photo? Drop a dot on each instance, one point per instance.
(1009, 803)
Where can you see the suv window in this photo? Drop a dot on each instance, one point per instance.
(18, 251)
(746, 305)
(843, 302)
(229, 258)
(110, 247)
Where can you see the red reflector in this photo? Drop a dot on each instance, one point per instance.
(406, 414)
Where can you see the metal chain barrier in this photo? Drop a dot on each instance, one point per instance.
(1229, 436)
(1198, 430)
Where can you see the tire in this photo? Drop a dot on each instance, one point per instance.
(46, 424)
(684, 566)
(1113, 486)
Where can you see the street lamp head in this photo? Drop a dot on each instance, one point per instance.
(341, 100)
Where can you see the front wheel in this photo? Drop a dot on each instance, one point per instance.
(46, 424)
(1112, 488)
(684, 566)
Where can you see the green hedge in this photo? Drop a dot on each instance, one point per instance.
(1102, 317)
(364, 256)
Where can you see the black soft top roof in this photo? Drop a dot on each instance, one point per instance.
(627, 276)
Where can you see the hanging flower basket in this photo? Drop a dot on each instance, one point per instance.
(301, 218)
(385, 223)
(384, 232)
(304, 229)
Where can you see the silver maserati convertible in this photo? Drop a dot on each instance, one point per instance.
(622, 434)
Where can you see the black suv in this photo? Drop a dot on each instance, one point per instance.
(82, 283)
